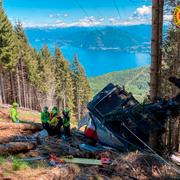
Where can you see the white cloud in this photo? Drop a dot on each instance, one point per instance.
(112, 20)
(58, 21)
(65, 15)
(144, 10)
(101, 19)
(85, 22)
(129, 23)
(141, 15)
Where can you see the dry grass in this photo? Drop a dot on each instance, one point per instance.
(24, 115)
(13, 170)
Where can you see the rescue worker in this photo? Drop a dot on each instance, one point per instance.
(66, 123)
(55, 123)
(14, 113)
(45, 118)
(53, 113)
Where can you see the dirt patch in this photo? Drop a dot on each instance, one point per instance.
(24, 114)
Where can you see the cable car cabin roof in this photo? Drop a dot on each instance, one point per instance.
(110, 100)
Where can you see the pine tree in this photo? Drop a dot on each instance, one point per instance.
(46, 71)
(8, 47)
(27, 75)
(45, 67)
(156, 57)
(64, 91)
(87, 95)
(156, 48)
(8, 57)
(82, 92)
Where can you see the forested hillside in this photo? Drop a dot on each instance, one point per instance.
(134, 80)
(35, 79)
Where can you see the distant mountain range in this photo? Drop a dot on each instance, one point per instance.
(117, 38)
(135, 81)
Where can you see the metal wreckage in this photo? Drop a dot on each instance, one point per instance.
(117, 119)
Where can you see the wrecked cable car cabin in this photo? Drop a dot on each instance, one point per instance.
(117, 119)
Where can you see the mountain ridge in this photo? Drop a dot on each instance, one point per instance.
(119, 38)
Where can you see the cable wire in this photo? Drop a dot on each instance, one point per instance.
(77, 2)
(85, 12)
(157, 155)
(116, 7)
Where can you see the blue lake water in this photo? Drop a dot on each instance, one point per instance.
(98, 62)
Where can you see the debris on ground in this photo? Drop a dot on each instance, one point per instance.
(76, 158)
(175, 157)
(18, 137)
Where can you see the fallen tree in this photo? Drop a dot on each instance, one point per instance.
(34, 127)
(17, 138)
(16, 147)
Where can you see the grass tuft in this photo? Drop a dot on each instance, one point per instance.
(2, 160)
(19, 165)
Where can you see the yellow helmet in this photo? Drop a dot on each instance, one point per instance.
(15, 104)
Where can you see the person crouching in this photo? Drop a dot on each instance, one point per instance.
(66, 123)
(55, 123)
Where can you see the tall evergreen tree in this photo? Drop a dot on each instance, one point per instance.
(156, 57)
(46, 67)
(46, 71)
(82, 92)
(27, 75)
(8, 47)
(8, 58)
(64, 91)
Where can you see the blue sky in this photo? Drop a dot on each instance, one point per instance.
(63, 13)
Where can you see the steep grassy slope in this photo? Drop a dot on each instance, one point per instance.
(134, 80)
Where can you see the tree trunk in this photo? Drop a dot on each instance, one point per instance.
(12, 87)
(156, 46)
(1, 95)
(23, 84)
(2, 88)
(178, 70)
(18, 87)
(16, 147)
(21, 126)
(78, 106)
(30, 97)
(64, 98)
